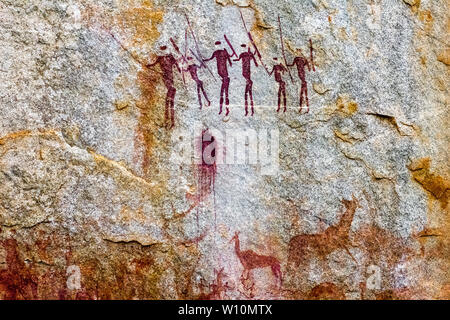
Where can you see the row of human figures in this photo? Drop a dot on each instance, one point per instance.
(186, 64)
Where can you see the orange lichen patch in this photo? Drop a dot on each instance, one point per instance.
(326, 291)
(415, 4)
(346, 106)
(140, 19)
(128, 215)
(259, 26)
(14, 135)
(423, 60)
(433, 183)
(151, 109)
(426, 17)
(26, 133)
(444, 56)
(444, 293)
(122, 105)
(342, 34)
(139, 24)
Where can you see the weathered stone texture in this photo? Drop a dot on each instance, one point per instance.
(89, 187)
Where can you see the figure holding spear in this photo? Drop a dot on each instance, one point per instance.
(301, 63)
(247, 57)
(282, 48)
(166, 63)
(278, 69)
(258, 54)
(192, 69)
(222, 58)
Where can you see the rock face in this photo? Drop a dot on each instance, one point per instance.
(118, 178)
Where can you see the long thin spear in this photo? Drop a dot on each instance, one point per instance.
(132, 55)
(282, 49)
(231, 46)
(179, 52)
(253, 42)
(197, 47)
(185, 42)
(311, 54)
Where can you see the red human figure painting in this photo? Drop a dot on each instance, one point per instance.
(301, 63)
(247, 57)
(222, 58)
(277, 70)
(166, 63)
(192, 69)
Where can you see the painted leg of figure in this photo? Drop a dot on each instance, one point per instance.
(303, 95)
(200, 84)
(227, 85)
(167, 106)
(227, 101)
(284, 96)
(251, 96)
(306, 95)
(222, 91)
(279, 96)
(199, 97)
(246, 99)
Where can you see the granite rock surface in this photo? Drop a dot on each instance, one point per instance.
(103, 195)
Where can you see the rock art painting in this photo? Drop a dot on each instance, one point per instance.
(224, 150)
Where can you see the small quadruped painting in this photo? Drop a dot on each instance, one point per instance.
(224, 150)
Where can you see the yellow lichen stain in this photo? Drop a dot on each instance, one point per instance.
(128, 215)
(433, 183)
(27, 133)
(346, 106)
(434, 238)
(140, 19)
(14, 135)
(444, 56)
(320, 88)
(342, 34)
(426, 18)
(139, 22)
(423, 60)
(122, 104)
(414, 4)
